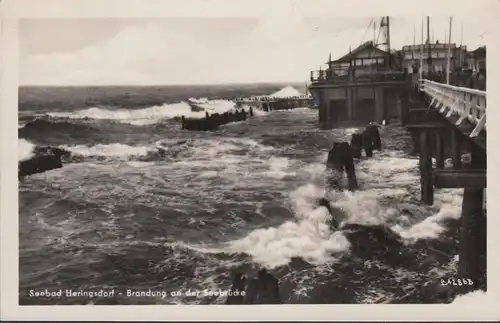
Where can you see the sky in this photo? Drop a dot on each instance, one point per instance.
(140, 51)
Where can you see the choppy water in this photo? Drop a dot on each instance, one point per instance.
(120, 215)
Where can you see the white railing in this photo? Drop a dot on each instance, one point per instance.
(466, 103)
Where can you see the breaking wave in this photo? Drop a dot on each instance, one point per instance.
(42, 127)
(148, 116)
(286, 92)
(185, 209)
(25, 149)
(307, 237)
(111, 150)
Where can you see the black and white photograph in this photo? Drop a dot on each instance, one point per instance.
(252, 160)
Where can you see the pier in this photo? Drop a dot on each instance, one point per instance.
(275, 103)
(212, 121)
(361, 86)
(447, 122)
(360, 97)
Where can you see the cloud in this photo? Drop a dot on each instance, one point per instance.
(275, 49)
(131, 55)
(270, 49)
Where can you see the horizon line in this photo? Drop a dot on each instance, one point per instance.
(148, 85)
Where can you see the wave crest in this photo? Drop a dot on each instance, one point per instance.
(286, 92)
(25, 149)
(148, 116)
(40, 127)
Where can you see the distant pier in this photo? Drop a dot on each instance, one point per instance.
(275, 103)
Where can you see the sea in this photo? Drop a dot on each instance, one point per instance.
(121, 216)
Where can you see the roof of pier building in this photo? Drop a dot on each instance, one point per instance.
(365, 50)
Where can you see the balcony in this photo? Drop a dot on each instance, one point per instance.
(326, 77)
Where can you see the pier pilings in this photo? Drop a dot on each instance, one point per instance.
(433, 135)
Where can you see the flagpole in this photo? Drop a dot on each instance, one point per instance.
(422, 49)
(413, 49)
(461, 34)
(448, 54)
(374, 32)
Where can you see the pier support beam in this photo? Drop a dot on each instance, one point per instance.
(351, 103)
(472, 254)
(322, 116)
(415, 136)
(404, 108)
(379, 104)
(425, 161)
(463, 178)
(416, 131)
(456, 149)
(439, 150)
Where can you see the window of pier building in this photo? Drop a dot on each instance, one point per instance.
(368, 61)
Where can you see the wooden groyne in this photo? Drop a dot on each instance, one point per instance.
(213, 121)
(272, 103)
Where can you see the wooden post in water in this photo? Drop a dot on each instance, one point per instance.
(472, 254)
(415, 138)
(439, 150)
(425, 161)
(404, 107)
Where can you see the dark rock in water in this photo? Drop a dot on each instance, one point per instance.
(356, 145)
(375, 135)
(334, 224)
(46, 158)
(39, 164)
(34, 129)
(371, 140)
(367, 144)
(376, 242)
(339, 160)
(369, 241)
(324, 202)
(262, 290)
(378, 233)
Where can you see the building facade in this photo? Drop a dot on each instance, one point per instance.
(359, 87)
(477, 59)
(412, 55)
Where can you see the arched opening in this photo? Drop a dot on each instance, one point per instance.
(337, 111)
(365, 110)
